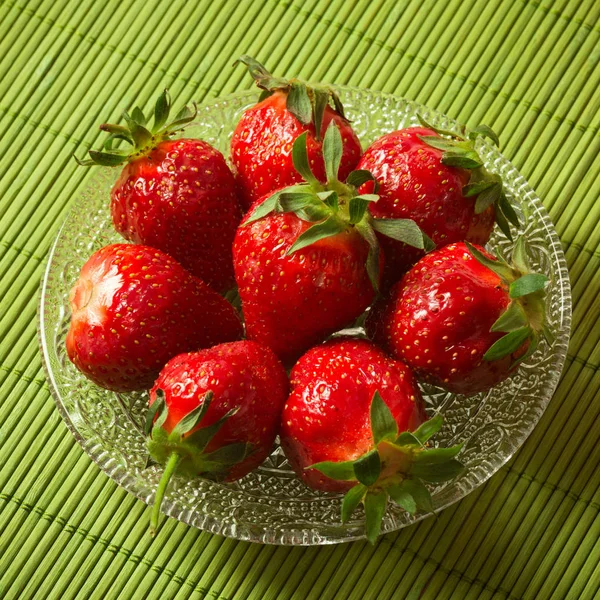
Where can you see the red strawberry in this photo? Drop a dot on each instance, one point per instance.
(215, 413)
(438, 182)
(345, 428)
(306, 259)
(463, 320)
(133, 308)
(175, 195)
(261, 146)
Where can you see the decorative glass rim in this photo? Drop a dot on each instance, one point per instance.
(448, 494)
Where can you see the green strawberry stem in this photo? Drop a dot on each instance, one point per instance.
(460, 152)
(170, 468)
(396, 468)
(183, 449)
(141, 137)
(525, 316)
(307, 102)
(335, 207)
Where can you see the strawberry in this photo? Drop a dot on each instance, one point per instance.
(215, 413)
(177, 195)
(306, 258)
(436, 178)
(261, 146)
(462, 319)
(133, 308)
(346, 427)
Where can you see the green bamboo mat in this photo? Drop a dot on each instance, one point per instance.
(527, 68)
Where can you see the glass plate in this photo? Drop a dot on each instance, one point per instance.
(271, 505)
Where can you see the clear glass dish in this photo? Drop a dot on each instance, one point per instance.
(271, 505)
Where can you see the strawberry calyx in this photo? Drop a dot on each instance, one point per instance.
(397, 467)
(459, 151)
(335, 207)
(183, 450)
(137, 132)
(307, 102)
(525, 316)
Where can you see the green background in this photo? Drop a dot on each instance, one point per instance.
(528, 69)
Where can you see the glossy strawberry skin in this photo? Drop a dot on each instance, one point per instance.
(242, 375)
(291, 303)
(327, 416)
(261, 148)
(134, 308)
(182, 198)
(414, 184)
(438, 319)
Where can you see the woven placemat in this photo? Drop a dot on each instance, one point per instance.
(529, 69)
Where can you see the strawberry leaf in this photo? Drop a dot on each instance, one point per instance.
(161, 111)
(484, 131)
(358, 206)
(403, 498)
(548, 334)
(420, 493)
(404, 230)
(298, 102)
(512, 318)
(375, 505)
(340, 471)
(330, 198)
(155, 408)
(351, 500)
(487, 197)
(272, 202)
(163, 414)
(264, 208)
(439, 131)
(305, 205)
(184, 116)
(138, 116)
(373, 263)
(429, 428)
(367, 468)
(141, 136)
(502, 223)
(462, 159)
(406, 438)
(194, 417)
(383, 424)
(321, 97)
(259, 73)
(200, 438)
(337, 103)
(501, 269)
(328, 228)
(300, 160)
(106, 159)
(117, 131)
(435, 456)
(437, 142)
(519, 257)
(533, 344)
(527, 284)
(437, 473)
(230, 454)
(332, 151)
(507, 209)
(360, 176)
(507, 344)
(472, 189)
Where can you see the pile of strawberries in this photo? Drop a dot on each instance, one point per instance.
(317, 236)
